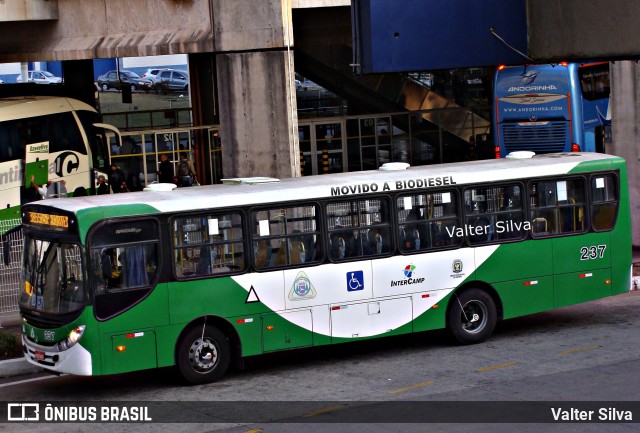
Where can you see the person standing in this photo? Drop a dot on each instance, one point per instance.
(131, 163)
(103, 187)
(165, 170)
(124, 187)
(186, 171)
(33, 191)
(116, 177)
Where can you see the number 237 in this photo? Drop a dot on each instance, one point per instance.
(592, 252)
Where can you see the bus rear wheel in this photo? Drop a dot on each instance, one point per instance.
(203, 355)
(472, 316)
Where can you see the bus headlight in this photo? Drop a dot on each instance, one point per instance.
(73, 337)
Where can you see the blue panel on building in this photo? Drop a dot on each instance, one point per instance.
(55, 67)
(102, 66)
(419, 35)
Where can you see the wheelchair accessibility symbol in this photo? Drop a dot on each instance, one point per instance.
(355, 281)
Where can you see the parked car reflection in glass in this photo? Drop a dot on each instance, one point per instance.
(40, 77)
(127, 78)
(170, 79)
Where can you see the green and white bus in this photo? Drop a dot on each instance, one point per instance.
(202, 277)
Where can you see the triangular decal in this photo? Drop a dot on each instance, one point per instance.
(252, 296)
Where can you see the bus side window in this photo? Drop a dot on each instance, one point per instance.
(359, 228)
(208, 244)
(571, 199)
(496, 214)
(125, 261)
(542, 213)
(604, 202)
(285, 236)
(429, 221)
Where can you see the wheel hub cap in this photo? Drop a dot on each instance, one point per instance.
(203, 355)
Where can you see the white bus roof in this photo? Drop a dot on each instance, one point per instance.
(21, 107)
(337, 185)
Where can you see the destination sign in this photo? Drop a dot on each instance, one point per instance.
(59, 221)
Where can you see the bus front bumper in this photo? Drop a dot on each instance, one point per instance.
(76, 360)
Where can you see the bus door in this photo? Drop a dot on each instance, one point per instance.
(125, 260)
(322, 148)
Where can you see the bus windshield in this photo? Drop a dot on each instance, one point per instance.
(53, 278)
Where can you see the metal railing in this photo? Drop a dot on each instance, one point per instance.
(149, 119)
(10, 265)
(141, 166)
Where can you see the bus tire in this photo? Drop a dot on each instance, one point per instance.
(206, 362)
(472, 316)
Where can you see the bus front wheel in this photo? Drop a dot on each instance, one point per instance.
(203, 355)
(472, 316)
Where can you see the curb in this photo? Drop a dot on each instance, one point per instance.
(17, 367)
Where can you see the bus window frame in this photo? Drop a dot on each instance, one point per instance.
(207, 214)
(616, 186)
(523, 209)
(254, 238)
(596, 74)
(388, 225)
(459, 217)
(586, 204)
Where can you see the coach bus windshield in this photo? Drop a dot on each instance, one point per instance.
(53, 281)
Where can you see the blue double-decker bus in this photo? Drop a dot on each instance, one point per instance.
(551, 108)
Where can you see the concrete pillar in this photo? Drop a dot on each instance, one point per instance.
(625, 115)
(78, 80)
(258, 115)
(256, 88)
(202, 79)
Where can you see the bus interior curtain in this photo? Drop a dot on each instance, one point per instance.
(136, 272)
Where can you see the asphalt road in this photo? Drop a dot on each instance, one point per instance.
(585, 356)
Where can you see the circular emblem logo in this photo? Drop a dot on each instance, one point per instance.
(408, 271)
